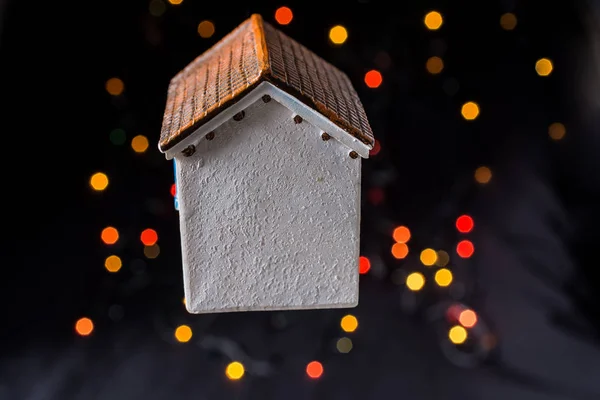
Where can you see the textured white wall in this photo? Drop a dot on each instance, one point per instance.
(269, 217)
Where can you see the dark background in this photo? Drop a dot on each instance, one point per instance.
(533, 279)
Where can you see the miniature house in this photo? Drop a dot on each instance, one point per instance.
(267, 140)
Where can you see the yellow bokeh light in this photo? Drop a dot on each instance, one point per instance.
(434, 65)
(99, 181)
(483, 175)
(175, 2)
(206, 29)
(508, 21)
(113, 264)
(151, 251)
(443, 258)
(183, 333)
(344, 345)
(338, 34)
(415, 281)
(443, 277)
(115, 86)
(139, 144)
(457, 334)
(470, 110)
(557, 131)
(433, 20)
(544, 67)
(428, 257)
(235, 370)
(349, 323)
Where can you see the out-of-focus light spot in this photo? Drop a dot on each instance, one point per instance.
(338, 34)
(173, 190)
(349, 323)
(443, 258)
(109, 235)
(206, 29)
(544, 67)
(314, 369)
(483, 175)
(157, 8)
(373, 79)
(467, 318)
(457, 334)
(508, 21)
(113, 263)
(433, 20)
(375, 195)
(235, 370)
(557, 131)
(175, 2)
(99, 181)
(434, 65)
(376, 148)
(149, 237)
(117, 137)
(183, 333)
(428, 257)
(470, 110)
(284, 15)
(344, 345)
(464, 224)
(415, 281)
(115, 86)
(139, 144)
(84, 326)
(364, 265)
(183, 301)
(400, 250)
(465, 248)
(443, 277)
(151, 251)
(401, 234)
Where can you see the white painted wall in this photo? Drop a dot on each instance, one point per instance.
(269, 216)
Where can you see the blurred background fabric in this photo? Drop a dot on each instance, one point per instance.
(487, 110)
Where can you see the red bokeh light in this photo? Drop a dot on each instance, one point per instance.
(465, 248)
(464, 224)
(149, 237)
(314, 369)
(284, 15)
(173, 190)
(373, 79)
(364, 265)
(376, 148)
(375, 196)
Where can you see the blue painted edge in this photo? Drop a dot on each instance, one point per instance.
(176, 201)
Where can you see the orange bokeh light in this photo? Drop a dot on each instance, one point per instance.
(373, 79)
(314, 369)
(364, 265)
(284, 15)
(84, 326)
(149, 237)
(400, 250)
(464, 224)
(467, 318)
(401, 234)
(109, 235)
(465, 248)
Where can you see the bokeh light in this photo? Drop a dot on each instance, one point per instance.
(467, 318)
(433, 20)
(428, 257)
(115, 86)
(139, 144)
(557, 131)
(373, 79)
(364, 265)
(434, 65)
(284, 15)
(508, 21)
(415, 281)
(464, 224)
(544, 67)
(149, 237)
(470, 110)
(344, 345)
(314, 369)
(183, 333)
(175, 2)
(465, 248)
(349, 323)
(457, 334)
(443, 277)
(235, 370)
(173, 190)
(84, 326)
(151, 252)
(401, 234)
(109, 235)
(99, 181)
(399, 250)
(483, 175)
(157, 8)
(113, 263)
(206, 29)
(118, 137)
(376, 148)
(443, 258)
(338, 34)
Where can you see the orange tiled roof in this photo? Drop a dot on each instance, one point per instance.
(252, 53)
